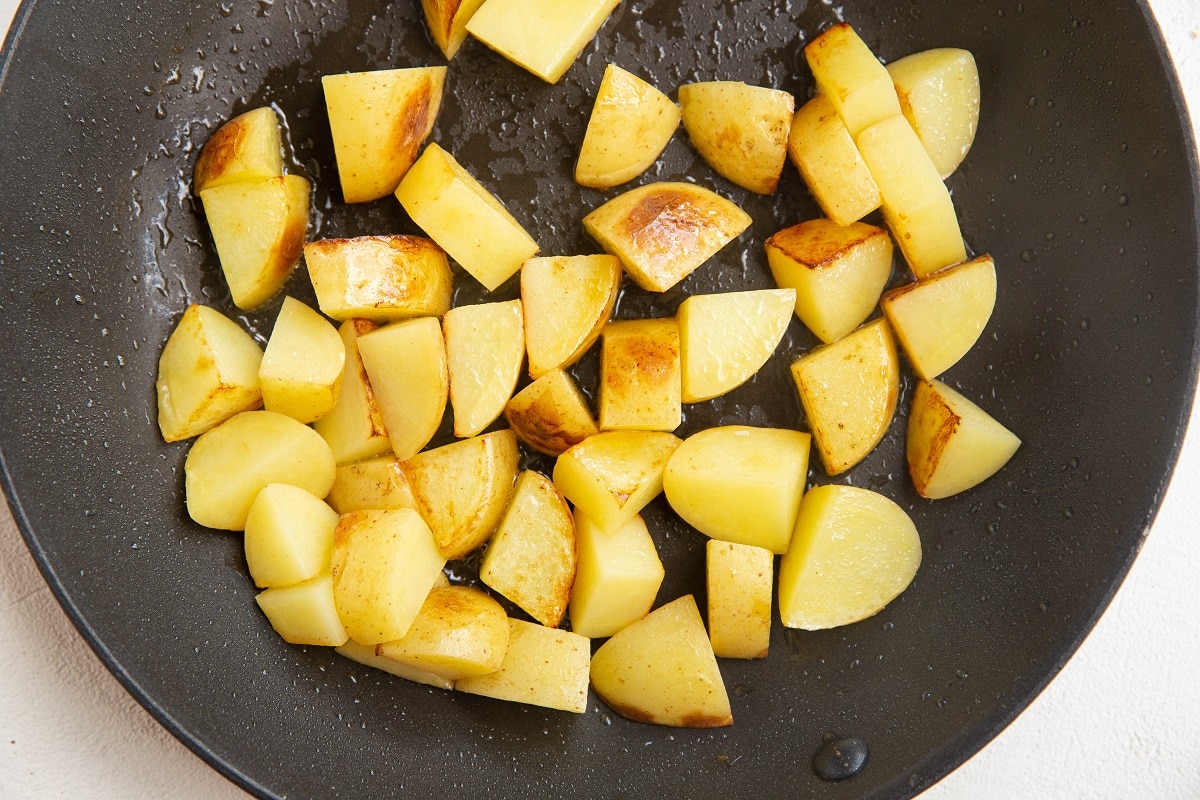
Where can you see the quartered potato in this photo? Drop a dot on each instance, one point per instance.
(542, 667)
(852, 77)
(617, 577)
(380, 278)
(301, 370)
(739, 579)
(640, 375)
(630, 126)
(939, 94)
(460, 632)
(246, 148)
(447, 20)
(378, 483)
(543, 36)
(828, 160)
(485, 347)
(567, 300)
(304, 613)
(551, 415)
(289, 536)
(354, 427)
(741, 131)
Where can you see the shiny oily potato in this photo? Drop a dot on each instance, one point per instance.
(229, 465)
(459, 632)
(377, 483)
(258, 228)
(301, 370)
(613, 475)
(740, 484)
(531, 557)
(464, 218)
(462, 489)
(853, 552)
(542, 667)
(953, 444)
(485, 348)
(617, 577)
(566, 300)
(542, 36)
(207, 372)
(640, 375)
(246, 148)
(661, 670)
(852, 77)
(940, 317)
(551, 415)
(837, 271)
(849, 391)
(630, 126)
(741, 131)
(939, 94)
(354, 427)
(365, 654)
(662, 232)
(289, 536)
(380, 278)
(828, 160)
(739, 579)
(304, 613)
(726, 338)
(447, 20)
(379, 120)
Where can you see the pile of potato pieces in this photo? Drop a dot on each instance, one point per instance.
(332, 571)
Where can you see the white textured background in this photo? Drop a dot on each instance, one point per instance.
(1121, 722)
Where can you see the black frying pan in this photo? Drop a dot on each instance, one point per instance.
(1080, 184)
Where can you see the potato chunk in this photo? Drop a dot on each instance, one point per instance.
(662, 232)
(739, 579)
(289, 536)
(229, 465)
(543, 36)
(630, 126)
(661, 670)
(838, 272)
(741, 131)
(459, 632)
(246, 148)
(208, 371)
(464, 218)
(617, 577)
(542, 667)
(953, 444)
(447, 20)
(640, 375)
(380, 278)
(354, 427)
(375, 483)
(365, 654)
(485, 347)
(853, 552)
(304, 613)
(379, 120)
(566, 300)
(613, 475)
(301, 370)
(827, 158)
(551, 415)
(939, 94)
(849, 390)
(851, 76)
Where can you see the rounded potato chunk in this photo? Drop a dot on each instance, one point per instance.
(459, 632)
(289, 536)
(939, 93)
(630, 125)
(246, 148)
(301, 370)
(741, 131)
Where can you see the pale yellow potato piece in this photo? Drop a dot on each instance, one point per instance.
(485, 348)
(940, 317)
(375, 483)
(354, 427)
(641, 375)
(630, 126)
(916, 204)
(741, 131)
(462, 489)
(542, 667)
(613, 475)
(662, 232)
(939, 95)
(849, 390)
(289, 536)
(567, 300)
(365, 654)
(531, 557)
(551, 415)
(852, 77)
(380, 278)
(459, 632)
(740, 484)
(616, 579)
(301, 370)
(384, 564)
(447, 20)
(229, 465)
(246, 148)
(739, 579)
(953, 444)
(379, 120)
(661, 670)
(304, 613)
(838, 272)
(207, 372)
(853, 552)
(464, 218)
(406, 364)
(542, 36)
(726, 338)
(258, 228)
(829, 162)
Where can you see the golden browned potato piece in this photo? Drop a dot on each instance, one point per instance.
(852, 77)
(741, 131)
(247, 147)
(301, 370)
(542, 667)
(828, 159)
(640, 375)
(543, 36)
(380, 278)
(354, 427)
(447, 20)
(485, 348)
(567, 300)
(551, 414)
(739, 579)
(939, 93)
(459, 632)
(377, 483)
(630, 125)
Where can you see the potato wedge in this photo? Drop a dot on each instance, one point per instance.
(543, 36)
(613, 475)
(741, 131)
(485, 348)
(230, 464)
(661, 670)
(447, 20)
(354, 427)
(662, 232)
(375, 483)
(567, 300)
(380, 278)
(365, 654)
(828, 160)
(542, 667)
(640, 375)
(853, 552)
(289, 536)
(304, 613)
(379, 120)
(459, 632)
(852, 77)
(208, 371)
(617, 577)
(838, 272)
(630, 126)
(551, 415)
(246, 148)
(463, 488)
(849, 390)
(939, 95)
(739, 579)
(301, 370)
(531, 557)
